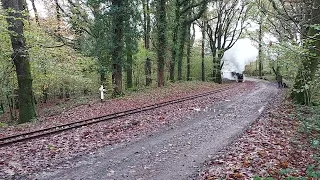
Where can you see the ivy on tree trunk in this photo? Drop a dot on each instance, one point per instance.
(118, 43)
(162, 39)
(306, 73)
(183, 37)
(174, 49)
(147, 30)
(189, 46)
(129, 69)
(20, 58)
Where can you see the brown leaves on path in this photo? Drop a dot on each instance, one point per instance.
(271, 147)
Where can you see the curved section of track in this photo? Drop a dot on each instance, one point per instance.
(52, 130)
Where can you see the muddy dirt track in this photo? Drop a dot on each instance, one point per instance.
(177, 152)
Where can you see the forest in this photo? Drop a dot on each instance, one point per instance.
(58, 51)
(66, 49)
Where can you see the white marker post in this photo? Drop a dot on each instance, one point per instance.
(102, 90)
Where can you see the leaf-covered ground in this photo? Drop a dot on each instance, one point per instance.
(273, 147)
(23, 159)
(60, 112)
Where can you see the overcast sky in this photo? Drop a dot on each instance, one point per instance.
(40, 8)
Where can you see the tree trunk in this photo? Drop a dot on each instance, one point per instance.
(148, 71)
(182, 40)
(36, 15)
(214, 59)
(260, 49)
(11, 107)
(61, 92)
(103, 78)
(162, 39)
(173, 53)
(117, 39)
(20, 58)
(190, 43)
(217, 68)
(175, 32)
(26, 11)
(16, 98)
(117, 79)
(202, 51)
(129, 69)
(147, 31)
(58, 16)
(1, 108)
(129, 41)
(45, 91)
(67, 93)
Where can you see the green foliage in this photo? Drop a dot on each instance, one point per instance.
(310, 126)
(259, 178)
(310, 121)
(290, 58)
(114, 35)
(51, 67)
(196, 64)
(285, 171)
(139, 65)
(58, 67)
(313, 171)
(287, 56)
(2, 125)
(315, 85)
(7, 75)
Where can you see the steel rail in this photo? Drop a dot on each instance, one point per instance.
(53, 130)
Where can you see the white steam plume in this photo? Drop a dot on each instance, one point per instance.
(241, 54)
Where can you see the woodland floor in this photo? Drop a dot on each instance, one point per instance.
(270, 147)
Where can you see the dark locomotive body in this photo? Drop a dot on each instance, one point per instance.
(238, 76)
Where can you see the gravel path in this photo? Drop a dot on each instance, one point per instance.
(176, 152)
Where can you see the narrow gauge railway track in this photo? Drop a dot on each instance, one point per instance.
(53, 130)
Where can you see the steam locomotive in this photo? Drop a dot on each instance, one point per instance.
(237, 76)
